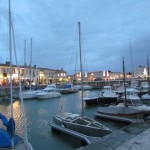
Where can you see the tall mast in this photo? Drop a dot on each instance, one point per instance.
(24, 52)
(124, 80)
(31, 64)
(10, 53)
(148, 75)
(81, 69)
(22, 104)
(131, 58)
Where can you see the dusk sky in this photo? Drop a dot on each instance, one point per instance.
(106, 27)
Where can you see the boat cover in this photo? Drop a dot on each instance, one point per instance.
(5, 140)
(118, 110)
(66, 86)
(5, 136)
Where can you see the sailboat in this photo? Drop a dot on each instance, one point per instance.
(8, 138)
(29, 94)
(77, 122)
(132, 100)
(121, 113)
(146, 97)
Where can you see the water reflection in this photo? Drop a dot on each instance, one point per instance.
(17, 114)
(40, 112)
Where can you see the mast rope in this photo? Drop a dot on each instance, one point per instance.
(20, 89)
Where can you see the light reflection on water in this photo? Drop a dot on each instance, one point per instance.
(17, 112)
(39, 113)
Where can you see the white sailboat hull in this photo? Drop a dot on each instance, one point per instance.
(48, 95)
(143, 107)
(29, 94)
(82, 125)
(85, 87)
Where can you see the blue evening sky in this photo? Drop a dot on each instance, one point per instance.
(106, 26)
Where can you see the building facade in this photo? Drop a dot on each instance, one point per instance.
(141, 72)
(47, 76)
(31, 74)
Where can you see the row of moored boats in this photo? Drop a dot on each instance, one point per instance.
(51, 91)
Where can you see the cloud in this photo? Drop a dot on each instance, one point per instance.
(106, 27)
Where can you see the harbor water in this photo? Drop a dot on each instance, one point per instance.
(40, 112)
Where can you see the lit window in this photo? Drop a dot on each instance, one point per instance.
(80, 74)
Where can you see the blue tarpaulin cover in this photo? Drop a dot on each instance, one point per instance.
(5, 136)
(5, 139)
(67, 86)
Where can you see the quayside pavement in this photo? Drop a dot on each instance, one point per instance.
(132, 137)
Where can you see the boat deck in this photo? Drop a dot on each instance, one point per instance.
(85, 138)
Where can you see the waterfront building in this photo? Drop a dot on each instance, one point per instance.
(95, 76)
(104, 75)
(101, 76)
(46, 76)
(141, 72)
(27, 73)
(4, 71)
(61, 76)
(109, 75)
(77, 77)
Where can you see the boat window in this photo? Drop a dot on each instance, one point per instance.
(81, 121)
